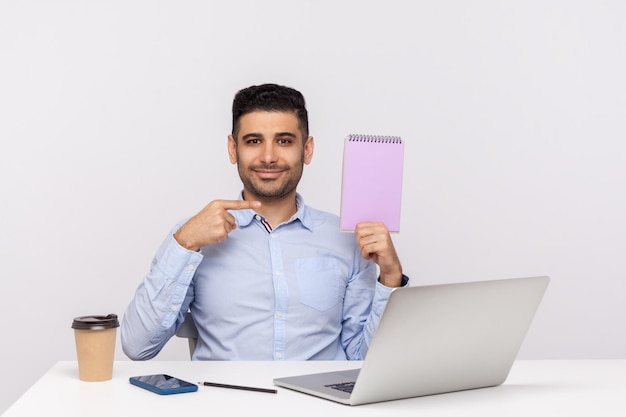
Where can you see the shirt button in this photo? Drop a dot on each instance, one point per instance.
(279, 355)
(174, 308)
(279, 314)
(190, 267)
(257, 217)
(277, 273)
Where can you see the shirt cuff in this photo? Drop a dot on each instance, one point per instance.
(176, 262)
(403, 283)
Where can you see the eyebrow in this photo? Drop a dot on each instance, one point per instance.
(251, 136)
(259, 135)
(291, 135)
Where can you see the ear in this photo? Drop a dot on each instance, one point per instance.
(309, 146)
(232, 149)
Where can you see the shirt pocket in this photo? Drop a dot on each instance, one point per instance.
(319, 282)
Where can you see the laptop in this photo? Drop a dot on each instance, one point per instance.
(436, 339)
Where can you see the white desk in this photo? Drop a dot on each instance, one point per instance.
(534, 388)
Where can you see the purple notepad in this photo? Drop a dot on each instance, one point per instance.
(372, 181)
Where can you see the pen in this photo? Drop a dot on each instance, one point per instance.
(215, 384)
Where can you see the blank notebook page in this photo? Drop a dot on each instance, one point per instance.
(372, 181)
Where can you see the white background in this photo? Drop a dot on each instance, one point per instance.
(113, 124)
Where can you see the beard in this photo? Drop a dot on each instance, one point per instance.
(270, 188)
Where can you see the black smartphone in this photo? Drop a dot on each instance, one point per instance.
(163, 384)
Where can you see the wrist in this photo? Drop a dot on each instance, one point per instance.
(393, 280)
(185, 243)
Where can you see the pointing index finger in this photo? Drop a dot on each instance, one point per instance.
(239, 204)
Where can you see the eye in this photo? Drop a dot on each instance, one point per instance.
(253, 141)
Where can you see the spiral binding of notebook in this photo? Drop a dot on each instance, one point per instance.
(374, 138)
(371, 181)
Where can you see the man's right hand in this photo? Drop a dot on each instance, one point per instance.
(212, 224)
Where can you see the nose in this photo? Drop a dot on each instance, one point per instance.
(269, 153)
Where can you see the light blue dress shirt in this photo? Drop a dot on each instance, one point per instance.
(300, 291)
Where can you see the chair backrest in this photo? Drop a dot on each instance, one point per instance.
(189, 331)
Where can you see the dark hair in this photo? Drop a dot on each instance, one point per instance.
(270, 97)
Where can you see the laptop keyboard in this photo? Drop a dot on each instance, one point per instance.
(343, 386)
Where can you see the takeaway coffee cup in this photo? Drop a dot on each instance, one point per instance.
(95, 346)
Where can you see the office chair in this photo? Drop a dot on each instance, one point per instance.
(189, 331)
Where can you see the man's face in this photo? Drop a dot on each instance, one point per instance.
(270, 153)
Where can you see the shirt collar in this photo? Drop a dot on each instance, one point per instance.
(245, 217)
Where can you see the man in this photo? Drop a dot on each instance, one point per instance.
(265, 276)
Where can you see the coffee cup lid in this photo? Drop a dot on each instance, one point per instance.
(95, 322)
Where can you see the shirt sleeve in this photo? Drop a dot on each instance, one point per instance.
(362, 311)
(160, 301)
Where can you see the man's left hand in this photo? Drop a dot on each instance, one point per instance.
(375, 244)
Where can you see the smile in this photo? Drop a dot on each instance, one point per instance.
(268, 174)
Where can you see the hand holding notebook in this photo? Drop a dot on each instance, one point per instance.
(372, 181)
